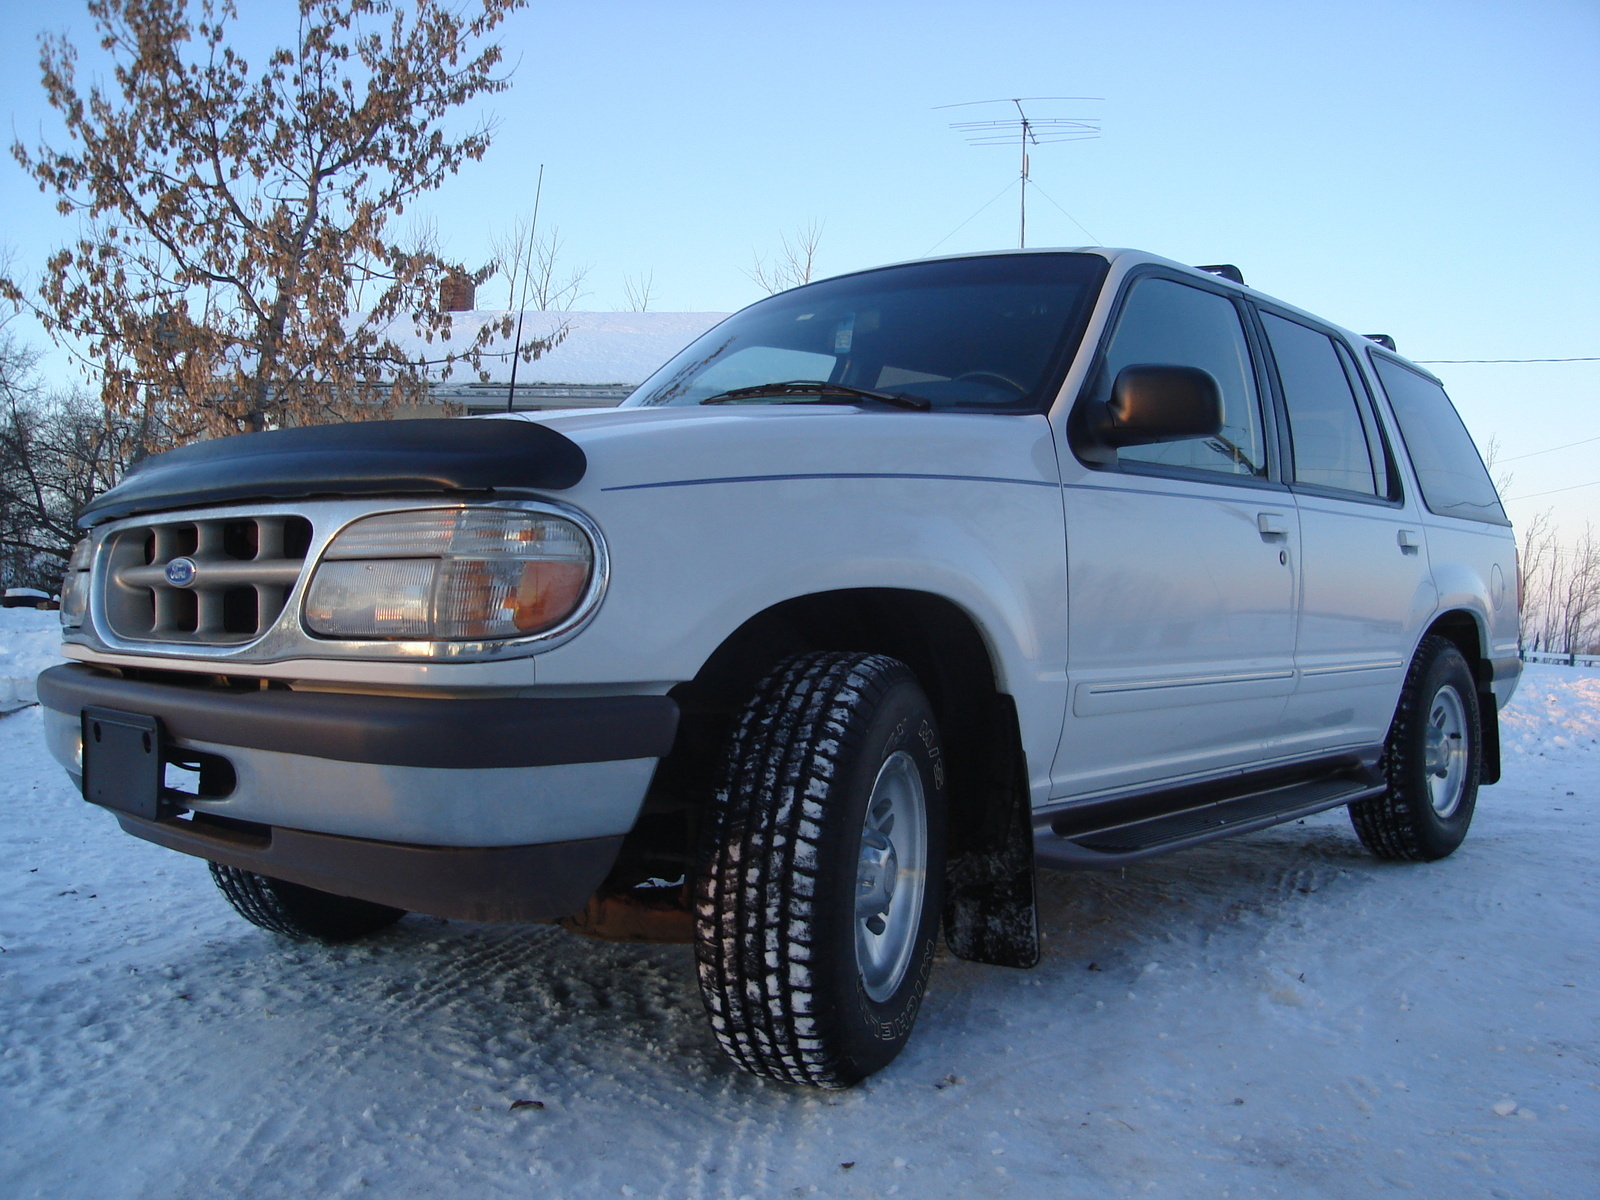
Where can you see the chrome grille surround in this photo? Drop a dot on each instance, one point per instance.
(134, 607)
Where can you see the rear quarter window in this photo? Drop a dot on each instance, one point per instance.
(1452, 476)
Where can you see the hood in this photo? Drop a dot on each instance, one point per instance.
(630, 449)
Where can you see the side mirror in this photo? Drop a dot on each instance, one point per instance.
(1152, 404)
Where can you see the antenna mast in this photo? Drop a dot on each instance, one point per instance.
(522, 303)
(1027, 131)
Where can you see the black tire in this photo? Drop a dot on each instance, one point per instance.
(776, 916)
(299, 912)
(1409, 822)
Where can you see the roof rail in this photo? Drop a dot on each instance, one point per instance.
(1226, 270)
(1383, 339)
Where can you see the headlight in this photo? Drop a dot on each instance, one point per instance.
(450, 574)
(75, 585)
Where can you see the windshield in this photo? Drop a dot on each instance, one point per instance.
(990, 334)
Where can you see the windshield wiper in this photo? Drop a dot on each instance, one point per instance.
(816, 387)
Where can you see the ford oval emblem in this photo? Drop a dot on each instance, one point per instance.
(180, 572)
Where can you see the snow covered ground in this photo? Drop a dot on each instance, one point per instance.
(1276, 1015)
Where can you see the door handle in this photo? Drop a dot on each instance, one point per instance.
(1409, 542)
(1272, 525)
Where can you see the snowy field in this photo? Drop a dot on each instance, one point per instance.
(1278, 1015)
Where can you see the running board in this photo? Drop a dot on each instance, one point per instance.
(1128, 842)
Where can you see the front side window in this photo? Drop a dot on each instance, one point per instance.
(1164, 323)
(1328, 440)
(986, 334)
(1452, 476)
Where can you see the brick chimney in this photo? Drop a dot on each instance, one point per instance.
(457, 292)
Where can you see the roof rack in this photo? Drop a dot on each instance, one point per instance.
(1383, 339)
(1226, 270)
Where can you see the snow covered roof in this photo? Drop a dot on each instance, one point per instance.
(599, 347)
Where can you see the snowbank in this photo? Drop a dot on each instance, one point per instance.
(1555, 708)
(30, 641)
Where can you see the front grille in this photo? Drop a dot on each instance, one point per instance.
(237, 576)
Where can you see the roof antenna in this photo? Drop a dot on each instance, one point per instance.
(1025, 131)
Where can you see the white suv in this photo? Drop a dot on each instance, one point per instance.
(883, 591)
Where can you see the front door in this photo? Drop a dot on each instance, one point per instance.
(1181, 570)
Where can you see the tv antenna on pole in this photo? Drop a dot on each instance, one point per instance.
(1024, 131)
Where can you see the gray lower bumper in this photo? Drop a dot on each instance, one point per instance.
(433, 806)
(445, 772)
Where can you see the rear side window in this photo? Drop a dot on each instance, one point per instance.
(1452, 476)
(1331, 447)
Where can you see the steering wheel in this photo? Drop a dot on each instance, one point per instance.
(992, 377)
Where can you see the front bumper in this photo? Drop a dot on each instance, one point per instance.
(455, 790)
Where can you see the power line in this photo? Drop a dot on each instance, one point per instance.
(1593, 358)
(1551, 450)
(1553, 491)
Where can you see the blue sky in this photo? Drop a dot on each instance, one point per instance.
(1430, 170)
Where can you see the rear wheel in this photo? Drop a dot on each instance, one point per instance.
(820, 885)
(1433, 759)
(300, 912)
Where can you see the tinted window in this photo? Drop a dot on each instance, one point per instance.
(1452, 477)
(1328, 439)
(1377, 440)
(987, 333)
(1170, 324)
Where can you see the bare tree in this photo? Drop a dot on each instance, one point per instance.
(1577, 596)
(56, 453)
(1560, 588)
(529, 263)
(55, 456)
(1491, 456)
(1536, 561)
(792, 265)
(233, 216)
(639, 291)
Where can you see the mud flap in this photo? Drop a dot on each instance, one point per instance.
(1489, 730)
(990, 911)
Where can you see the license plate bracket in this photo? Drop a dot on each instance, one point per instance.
(123, 763)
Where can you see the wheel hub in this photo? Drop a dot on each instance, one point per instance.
(891, 875)
(1444, 754)
(876, 875)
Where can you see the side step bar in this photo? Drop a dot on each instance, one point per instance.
(1116, 845)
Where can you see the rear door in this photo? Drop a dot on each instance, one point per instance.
(1365, 585)
(1180, 566)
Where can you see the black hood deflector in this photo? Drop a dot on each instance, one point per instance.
(359, 459)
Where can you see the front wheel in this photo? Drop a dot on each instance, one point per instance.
(820, 883)
(1433, 758)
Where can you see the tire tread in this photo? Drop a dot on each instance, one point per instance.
(1391, 825)
(755, 956)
